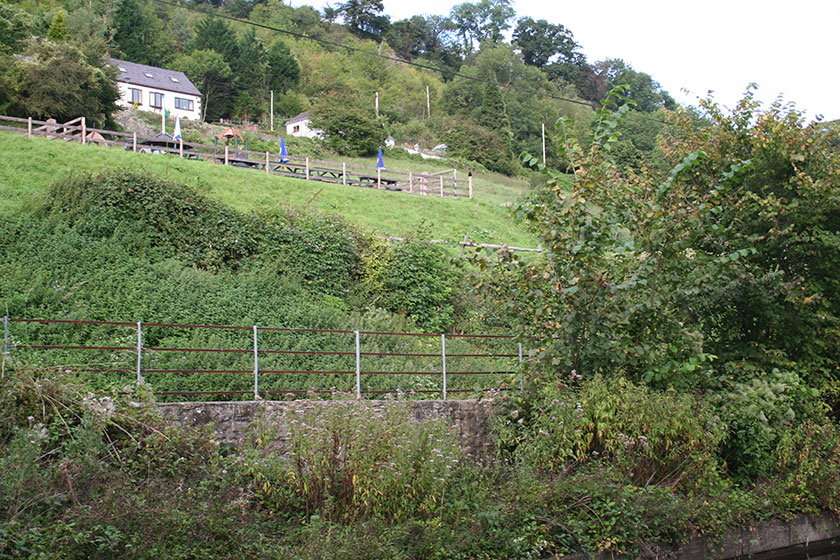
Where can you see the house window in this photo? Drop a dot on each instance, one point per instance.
(185, 104)
(136, 95)
(174, 79)
(157, 100)
(296, 129)
(148, 74)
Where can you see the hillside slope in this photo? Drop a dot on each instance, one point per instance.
(28, 165)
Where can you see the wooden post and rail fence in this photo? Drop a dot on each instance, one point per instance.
(439, 184)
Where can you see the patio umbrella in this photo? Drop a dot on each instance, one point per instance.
(380, 164)
(283, 151)
(176, 134)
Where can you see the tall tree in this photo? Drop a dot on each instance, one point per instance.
(364, 17)
(250, 78)
(640, 88)
(485, 20)
(283, 68)
(210, 73)
(541, 42)
(58, 28)
(214, 34)
(56, 81)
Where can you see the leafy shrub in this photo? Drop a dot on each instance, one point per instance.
(357, 461)
(469, 141)
(416, 278)
(653, 438)
(349, 129)
(758, 412)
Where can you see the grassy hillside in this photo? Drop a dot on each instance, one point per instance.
(28, 165)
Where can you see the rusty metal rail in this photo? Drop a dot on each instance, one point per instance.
(440, 365)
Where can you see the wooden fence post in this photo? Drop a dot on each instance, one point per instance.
(378, 178)
(226, 154)
(441, 186)
(469, 183)
(134, 142)
(84, 130)
(267, 166)
(307, 169)
(343, 172)
(410, 182)
(180, 147)
(29, 127)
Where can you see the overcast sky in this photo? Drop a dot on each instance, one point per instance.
(786, 48)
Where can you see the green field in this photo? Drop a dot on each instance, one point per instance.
(28, 165)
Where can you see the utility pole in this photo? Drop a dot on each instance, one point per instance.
(428, 105)
(272, 109)
(377, 104)
(543, 141)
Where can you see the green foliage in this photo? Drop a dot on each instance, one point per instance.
(283, 68)
(139, 36)
(469, 141)
(56, 81)
(15, 26)
(58, 28)
(660, 439)
(415, 278)
(209, 72)
(349, 128)
(354, 461)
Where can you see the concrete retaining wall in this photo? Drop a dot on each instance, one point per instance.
(232, 421)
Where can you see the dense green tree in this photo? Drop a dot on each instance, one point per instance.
(541, 42)
(364, 17)
(58, 28)
(348, 127)
(283, 67)
(641, 89)
(484, 20)
(216, 34)
(210, 73)
(249, 80)
(15, 26)
(139, 35)
(55, 81)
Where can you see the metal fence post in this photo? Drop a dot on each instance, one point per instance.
(521, 372)
(256, 366)
(139, 352)
(358, 368)
(5, 343)
(443, 354)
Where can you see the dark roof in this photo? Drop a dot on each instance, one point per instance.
(153, 77)
(300, 118)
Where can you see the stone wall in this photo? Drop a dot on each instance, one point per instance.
(232, 421)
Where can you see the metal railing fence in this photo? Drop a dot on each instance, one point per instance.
(263, 360)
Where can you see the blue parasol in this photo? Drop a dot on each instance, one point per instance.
(283, 151)
(380, 164)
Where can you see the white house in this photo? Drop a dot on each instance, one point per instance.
(300, 126)
(157, 89)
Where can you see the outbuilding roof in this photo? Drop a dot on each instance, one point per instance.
(300, 118)
(153, 77)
